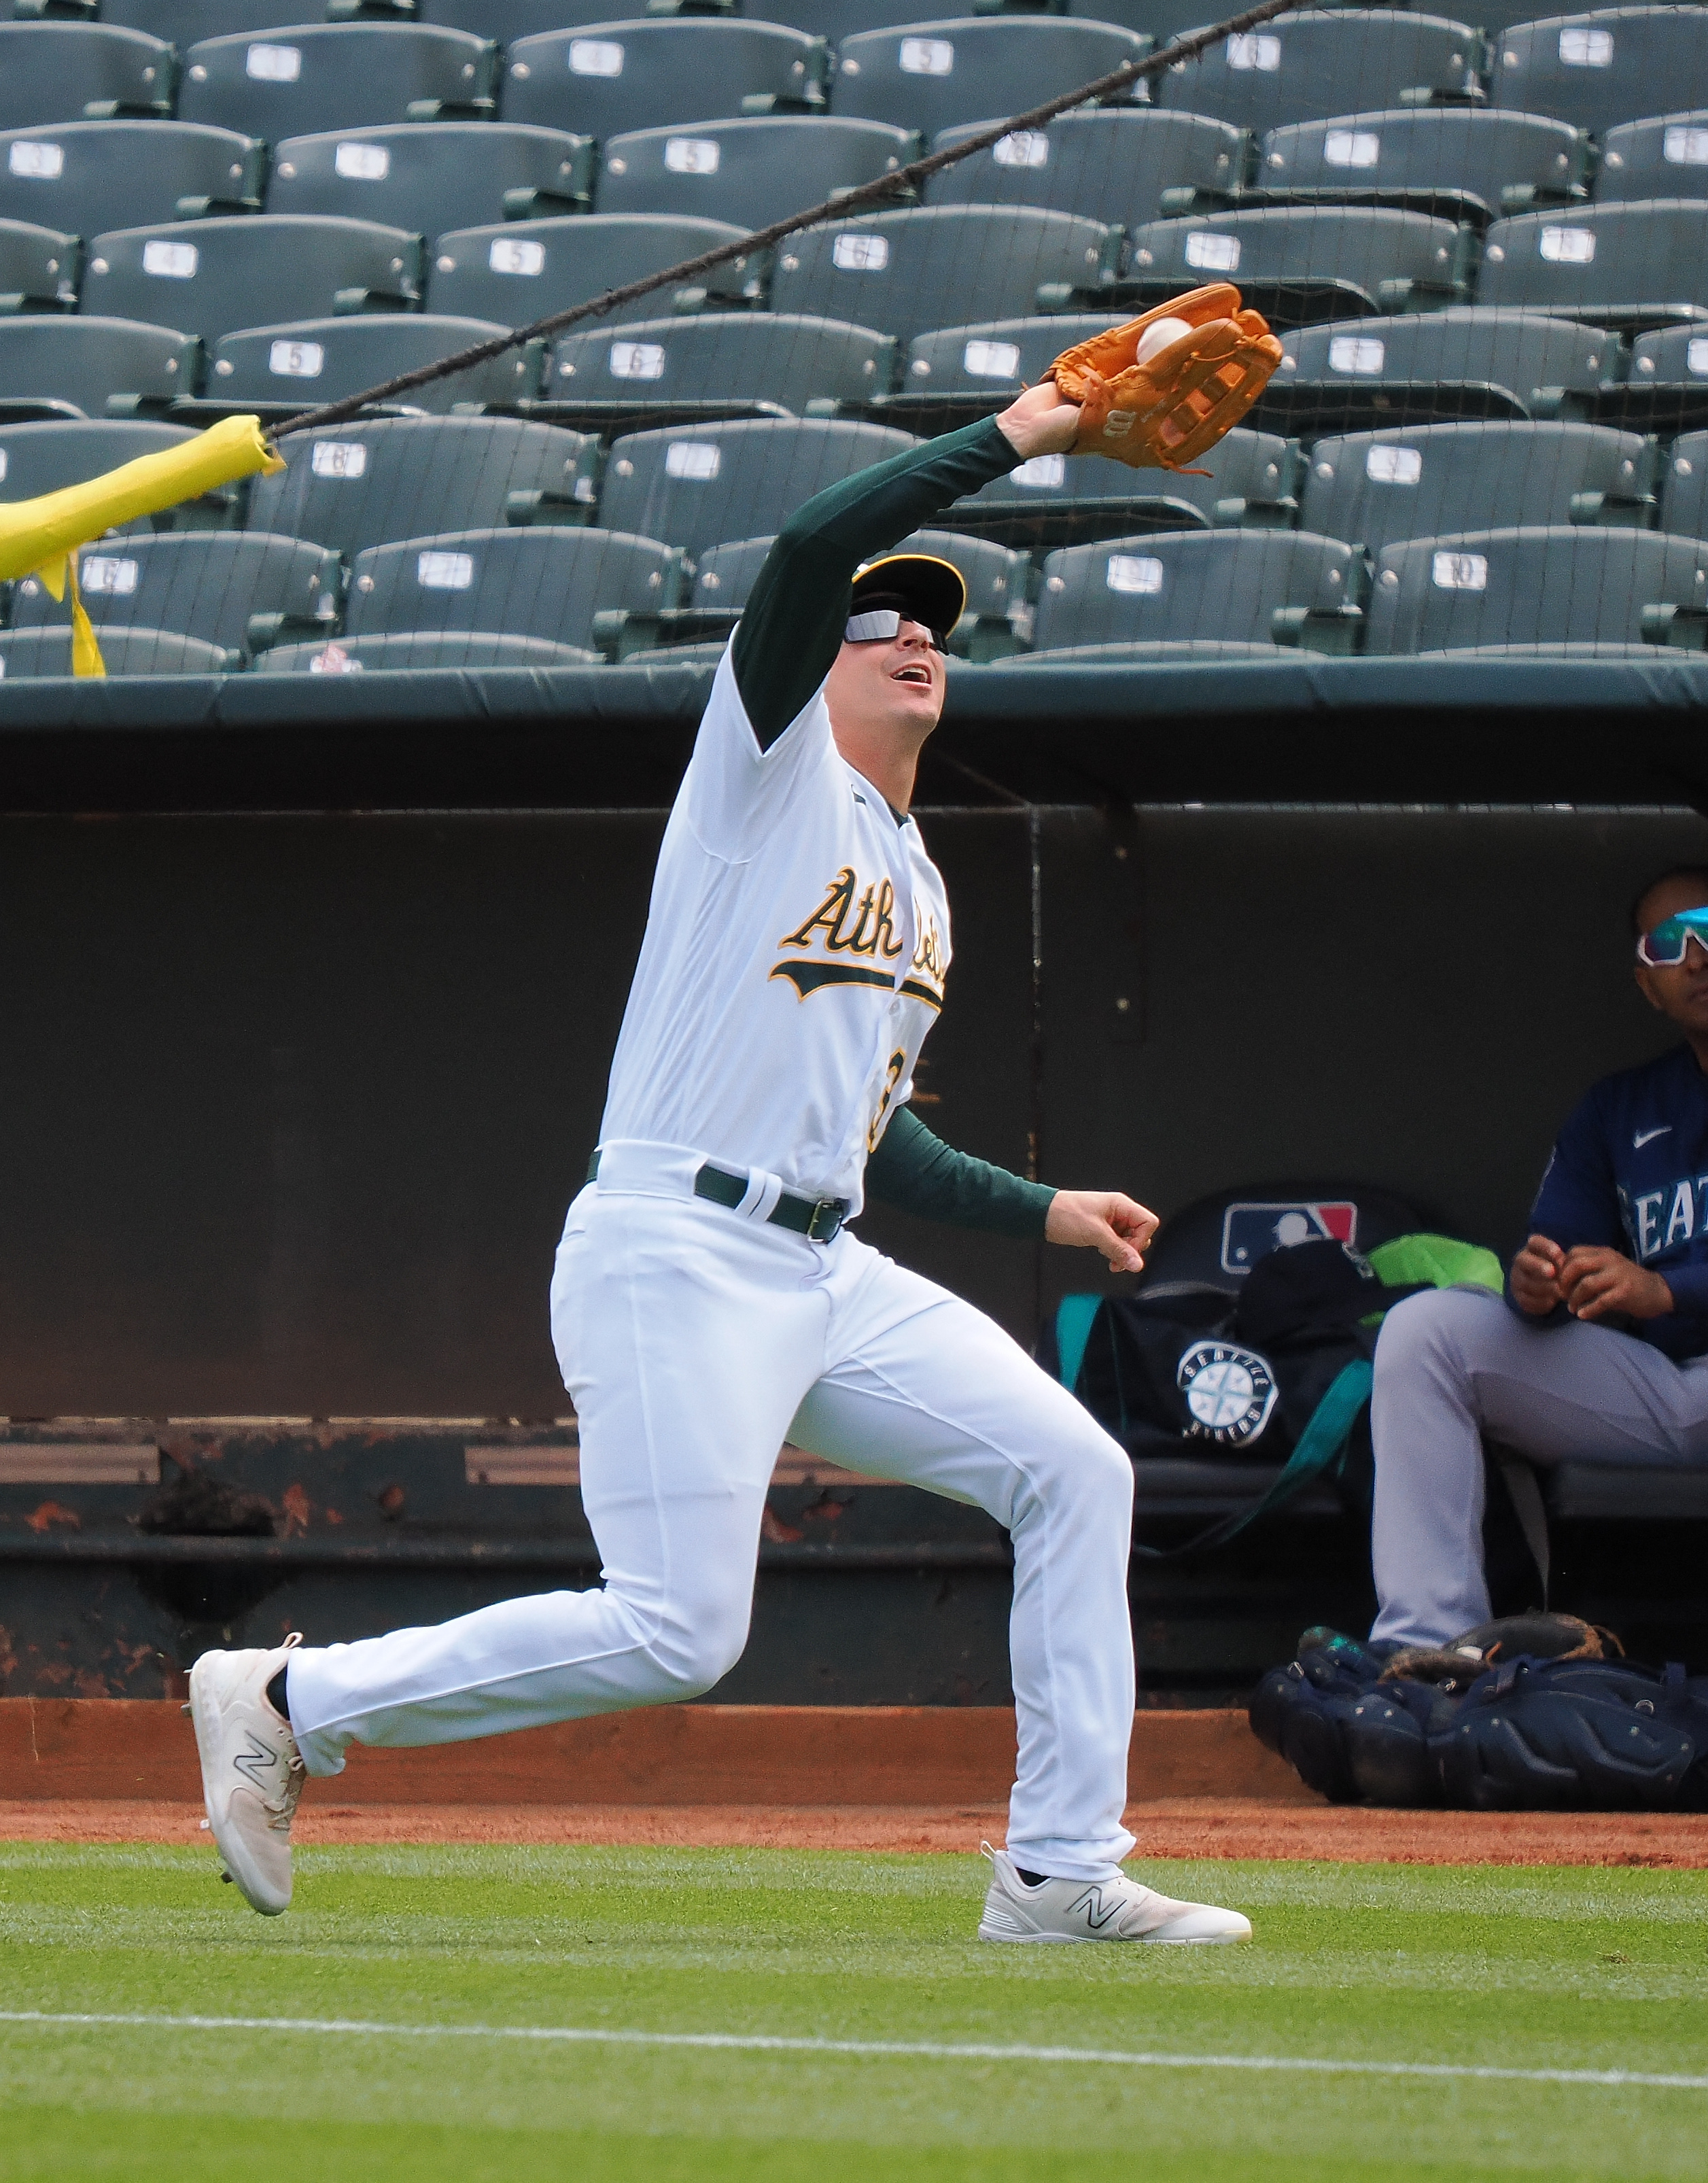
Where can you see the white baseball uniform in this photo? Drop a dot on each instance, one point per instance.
(795, 958)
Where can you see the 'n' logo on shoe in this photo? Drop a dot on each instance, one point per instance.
(1091, 1902)
(257, 1762)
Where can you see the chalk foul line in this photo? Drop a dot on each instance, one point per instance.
(745, 2042)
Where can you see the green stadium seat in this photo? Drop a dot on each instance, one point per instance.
(1054, 498)
(1537, 585)
(931, 76)
(1666, 385)
(1611, 66)
(237, 589)
(38, 268)
(699, 485)
(1684, 497)
(725, 362)
(1111, 164)
(958, 373)
(418, 649)
(52, 72)
(607, 79)
(73, 368)
(508, 22)
(510, 583)
(45, 458)
(1665, 157)
(186, 22)
(516, 272)
(1634, 266)
(1379, 487)
(904, 272)
(75, 175)
(835, 19)
(1439, 366)
(1461, 163)
(367, 484)
(274, 369)
(208, 277)
(749, 173)
(1308, 66)
(309, 78)
(1238, 586)
(433, 177)
(1183, 651)
(27, 653)
(1300, 263)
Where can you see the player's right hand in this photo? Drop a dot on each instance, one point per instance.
(1535, 1276)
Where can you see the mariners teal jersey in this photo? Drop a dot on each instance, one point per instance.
(1630, 1171)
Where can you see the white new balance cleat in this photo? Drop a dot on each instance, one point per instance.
(1117, 1909)
(251, 1772)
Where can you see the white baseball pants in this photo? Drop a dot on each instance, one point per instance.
(1452, 1364)
(694, 1340)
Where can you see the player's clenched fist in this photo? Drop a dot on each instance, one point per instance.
(1535, 1276)
(1102, 1221)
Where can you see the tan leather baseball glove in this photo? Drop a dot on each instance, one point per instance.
(1161, 414)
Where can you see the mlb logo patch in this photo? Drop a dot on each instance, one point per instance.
(1250, 1232)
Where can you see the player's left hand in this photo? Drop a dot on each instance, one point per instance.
(1594, 1282)
(1103, 1220)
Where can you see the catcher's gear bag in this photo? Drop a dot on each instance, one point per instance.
(1525, 1714)
(1162, 413)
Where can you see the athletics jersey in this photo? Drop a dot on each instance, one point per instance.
(795, 950)
(1630, 1171)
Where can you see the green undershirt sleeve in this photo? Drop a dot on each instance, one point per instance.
(791, 626)
(918, 1172)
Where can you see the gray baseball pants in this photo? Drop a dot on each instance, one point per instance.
(1454, 1364)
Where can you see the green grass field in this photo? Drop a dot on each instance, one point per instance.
(1536, 1970)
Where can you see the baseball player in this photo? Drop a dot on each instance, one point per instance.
(709, 1300)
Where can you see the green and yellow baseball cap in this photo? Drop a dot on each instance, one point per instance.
(921, 586)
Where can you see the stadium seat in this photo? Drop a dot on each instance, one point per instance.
(1536, 586)
(1232, 586)
(76, 175)
(1438, 367)
(238, 589)
(835, 19)
(510, 583)
(1613, 64)
(1183, 651)
(44, 458)
(1667, 158)
(54, 367)
(998, 580)
(1684, 497)
(731, 364)
(1460, 162)
(1376, 488)
(433, 177)
(935, 75)
(904, 272)
(1113, 165)
(506, 22)
(368, 484)
(959, 373)
(297, 366)
(418, 649)
(81, 71)
(1053, 499)
(749, 173)
(1310, 67)
(38, 269)
(208, 277)
(699, 485)
(1300, 263)
(514, 274)
(609, 78)
(186, 22)
(1666, 385)
(313, 77)
(1621, 264)
(26, 653)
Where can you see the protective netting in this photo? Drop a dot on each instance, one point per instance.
(550, 350)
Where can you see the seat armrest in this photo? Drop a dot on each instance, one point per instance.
(1335, 630)
(264, 631)
(1683, 628)
(621, 632)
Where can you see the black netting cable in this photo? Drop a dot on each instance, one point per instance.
(868, 194)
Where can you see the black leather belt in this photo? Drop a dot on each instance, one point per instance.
(819, 1220)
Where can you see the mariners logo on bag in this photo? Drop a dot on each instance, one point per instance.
(1230, 1392)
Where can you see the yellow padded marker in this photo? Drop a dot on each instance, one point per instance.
(42, 537)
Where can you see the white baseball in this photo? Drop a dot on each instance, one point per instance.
(1159, 337)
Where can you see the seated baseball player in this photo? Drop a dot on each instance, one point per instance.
(710, 1300)
(1599, 1350)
